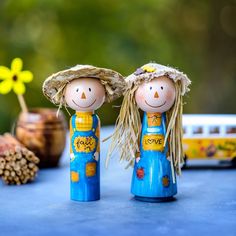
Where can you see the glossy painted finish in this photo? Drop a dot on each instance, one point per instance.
(85, 95)
(85, 163)
(152, 176)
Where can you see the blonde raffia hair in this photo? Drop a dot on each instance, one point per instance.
(125, 138)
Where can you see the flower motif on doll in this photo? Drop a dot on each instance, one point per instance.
(140, 173)
(84, 144)
(154, 119)
(165, 181)
(148, 68)
(144, 69)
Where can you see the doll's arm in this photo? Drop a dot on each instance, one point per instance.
(137, 155)
(97, 133)
(72, 156)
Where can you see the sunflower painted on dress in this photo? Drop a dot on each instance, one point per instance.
(84, 88)
(154, 147)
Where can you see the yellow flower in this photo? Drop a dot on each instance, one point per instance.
(165, 181)
(148, 69)
(14, 78)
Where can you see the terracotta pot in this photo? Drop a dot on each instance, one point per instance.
(42, 132)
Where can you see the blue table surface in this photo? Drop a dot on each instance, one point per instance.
(205, 205)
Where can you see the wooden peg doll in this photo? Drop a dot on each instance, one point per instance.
(84, 88)
(155, 146)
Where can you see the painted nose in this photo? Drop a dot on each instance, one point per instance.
(156, 95)
(83, 96)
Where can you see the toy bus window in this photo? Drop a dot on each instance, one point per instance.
(184, 130)
(197, 130)
(214, 130)
(231, 130)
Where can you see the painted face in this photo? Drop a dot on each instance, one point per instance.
(157, 95)
(85, 94)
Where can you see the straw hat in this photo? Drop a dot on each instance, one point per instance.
(153, 70)
(54, 85)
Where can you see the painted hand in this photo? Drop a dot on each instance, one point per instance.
(72, 156)
(137, 157)
(96, 156)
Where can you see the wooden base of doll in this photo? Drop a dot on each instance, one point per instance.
(85, 200)
(83, 192)
(155, 199)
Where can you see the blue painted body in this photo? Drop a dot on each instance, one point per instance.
(155, 166)
(87, 188)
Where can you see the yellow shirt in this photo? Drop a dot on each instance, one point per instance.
(84, 122)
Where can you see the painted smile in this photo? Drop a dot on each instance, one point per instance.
(82, 106)
(155, 106)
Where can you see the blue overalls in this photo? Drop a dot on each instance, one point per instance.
(152, 177)
(85, 170)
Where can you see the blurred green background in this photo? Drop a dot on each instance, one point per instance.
(198, 37)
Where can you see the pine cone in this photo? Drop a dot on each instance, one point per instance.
(18, 165)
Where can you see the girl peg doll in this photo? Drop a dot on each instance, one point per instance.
(155, 147)
(84, 88)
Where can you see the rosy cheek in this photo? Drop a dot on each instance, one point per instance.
(169, 95)
(138, 96)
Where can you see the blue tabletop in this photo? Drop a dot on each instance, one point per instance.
(205, 205)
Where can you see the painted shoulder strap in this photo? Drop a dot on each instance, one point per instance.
(73, 122)
(163, 117)
(95, 122)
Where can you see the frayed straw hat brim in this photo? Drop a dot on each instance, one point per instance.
(158, 70)
(55, 84)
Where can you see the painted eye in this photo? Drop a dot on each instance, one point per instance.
(161, 88)
(151, 88)
(90, 89)
(77, 90)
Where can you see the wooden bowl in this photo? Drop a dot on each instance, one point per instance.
(42, 132)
